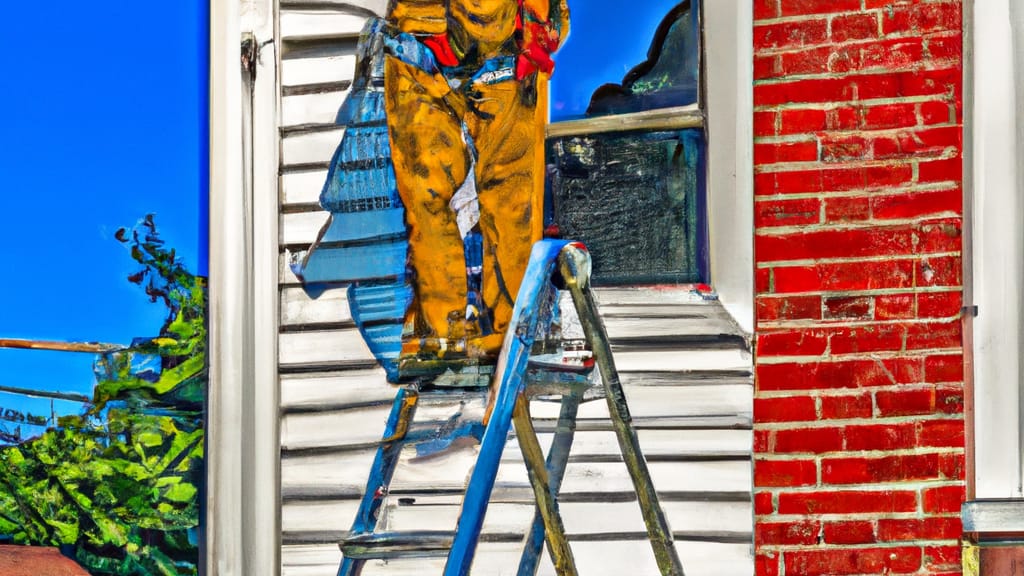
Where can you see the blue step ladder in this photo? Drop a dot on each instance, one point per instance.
(554, 265)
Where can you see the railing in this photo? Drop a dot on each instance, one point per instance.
(25, 418)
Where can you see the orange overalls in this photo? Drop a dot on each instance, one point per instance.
(445, 128)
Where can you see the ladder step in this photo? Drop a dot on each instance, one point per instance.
(390, 545)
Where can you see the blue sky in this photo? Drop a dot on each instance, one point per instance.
(104, 109)
(607, 39)
(105, 122)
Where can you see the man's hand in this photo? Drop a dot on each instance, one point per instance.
(442, 49)
(537, 40)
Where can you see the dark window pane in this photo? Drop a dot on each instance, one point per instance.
(635, 199)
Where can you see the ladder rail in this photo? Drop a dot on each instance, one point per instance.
(512, 364)
(629, 444)
(383, 468)
(558, 457)
(545, 493)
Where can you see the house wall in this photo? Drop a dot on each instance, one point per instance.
(859, 427)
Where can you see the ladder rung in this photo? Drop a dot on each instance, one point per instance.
(388, 545)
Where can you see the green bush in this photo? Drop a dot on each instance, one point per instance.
(120, 483)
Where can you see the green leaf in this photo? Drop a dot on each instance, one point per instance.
(65, 532)
(14, 457)
(183, 492)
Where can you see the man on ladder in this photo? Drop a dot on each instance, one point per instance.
(465, 85)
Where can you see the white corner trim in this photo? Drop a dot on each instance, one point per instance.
(227, 293)
(996, 245)
(242, 511)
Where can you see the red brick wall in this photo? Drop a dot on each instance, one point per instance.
(859, 429)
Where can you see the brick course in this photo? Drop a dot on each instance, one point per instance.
(859, 428)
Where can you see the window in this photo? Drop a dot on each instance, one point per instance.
(626, 146)
(678, 109)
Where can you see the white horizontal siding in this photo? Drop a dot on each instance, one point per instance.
(321, 70)
(345, 475)
(341, 346)
(592, 558)
(310, 147)
(337, 345)
(581, 518)
(301, 229)
(298, 309)
(315, 24)
(311, 109)
(318, 347)
(622, 320)
(344, 6)
(647, 403)
(302, 187)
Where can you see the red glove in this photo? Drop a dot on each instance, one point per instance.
(537, 41)
(442, 49)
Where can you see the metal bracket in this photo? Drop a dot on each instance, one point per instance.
(250, 53)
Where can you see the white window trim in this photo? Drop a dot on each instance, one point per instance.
(994, 263)
(729, 74)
